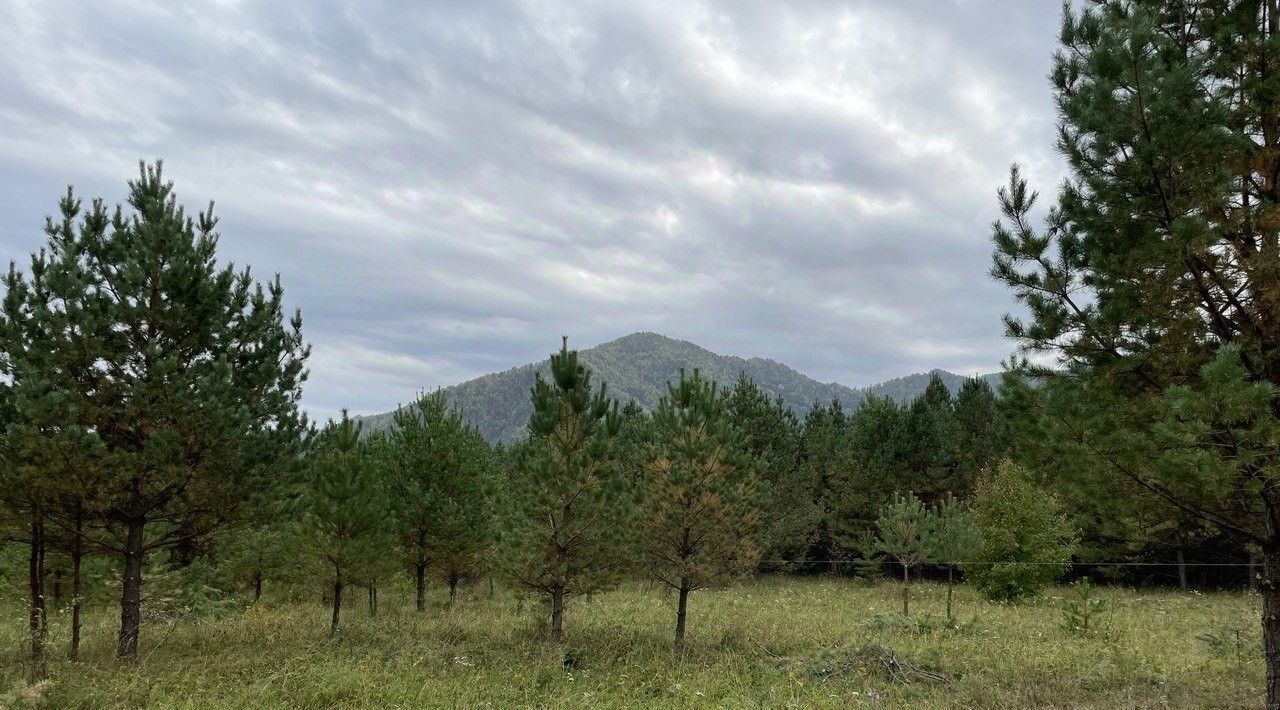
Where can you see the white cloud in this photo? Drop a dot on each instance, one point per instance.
(447, 187)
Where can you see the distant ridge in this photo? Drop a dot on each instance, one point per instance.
(638, 367)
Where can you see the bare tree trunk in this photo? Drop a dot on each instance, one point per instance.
(373, 600)
(453, 587)
(420, 582)
(257, 586)
(951, 585)
(337, 605)
(1270, 588)
(35, 578)
(131, 591)
(557, 615)
(77, 555)
(57, 588)
(906, 590)
(1182, 569)
(682, 610)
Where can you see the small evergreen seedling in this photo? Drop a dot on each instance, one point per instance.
(1082, 607)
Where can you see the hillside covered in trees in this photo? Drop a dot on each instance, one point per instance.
(637, 368)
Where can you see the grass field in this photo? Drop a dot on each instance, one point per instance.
(772, 643)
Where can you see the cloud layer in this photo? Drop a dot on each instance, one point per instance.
(447, 187)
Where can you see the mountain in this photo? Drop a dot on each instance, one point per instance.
(902, 389)
(638, 367)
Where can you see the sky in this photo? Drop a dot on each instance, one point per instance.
(447, 187)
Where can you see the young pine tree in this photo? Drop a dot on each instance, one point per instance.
(698, 523)
(956, 538)
(442, 492)
(343, 522)
(904, 532)
(568, 498)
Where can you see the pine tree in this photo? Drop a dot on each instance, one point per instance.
(343, 516)
(568, 494)
(978, 432)
(904, 532)
(825, 460)
(956, 538)
(443, 492)
(1154, 284)
(701, 511)
(867, 468)
(772, 439)
(50, 457)
(186, 372)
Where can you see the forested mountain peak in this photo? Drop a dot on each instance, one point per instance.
(638, 366)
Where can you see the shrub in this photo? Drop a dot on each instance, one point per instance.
(1026, 539)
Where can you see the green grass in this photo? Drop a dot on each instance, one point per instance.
(772, 643)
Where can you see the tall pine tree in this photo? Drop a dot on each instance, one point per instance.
(187, 372)
(568, 494)
(701, 510)
(1156, 280)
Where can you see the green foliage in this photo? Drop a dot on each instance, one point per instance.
(700, 507)
(904, 532)
(442, 488)
(788, 490)
(1082, 607)
(568, 497)
(1151, 293)
(129, 346)
(955, 535)
(344, 524)
(1026, 539)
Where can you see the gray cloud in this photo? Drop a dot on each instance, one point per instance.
(446, 187)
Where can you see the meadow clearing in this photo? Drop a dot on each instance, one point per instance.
(774, 642)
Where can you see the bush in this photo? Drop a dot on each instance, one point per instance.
(1026, 539)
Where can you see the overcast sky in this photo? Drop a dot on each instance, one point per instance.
(446, 187)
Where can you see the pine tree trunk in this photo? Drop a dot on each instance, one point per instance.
(453, 588)
(77, 555)
(557, 615)
(337, 605)
(373, 600)
(131, 591)
(35, 578)
(420, 582)
(257, 586)
(682, 610)
(951, 585)
(906, 590)
(57, 588)
(1182, 569)
(1269, 586)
